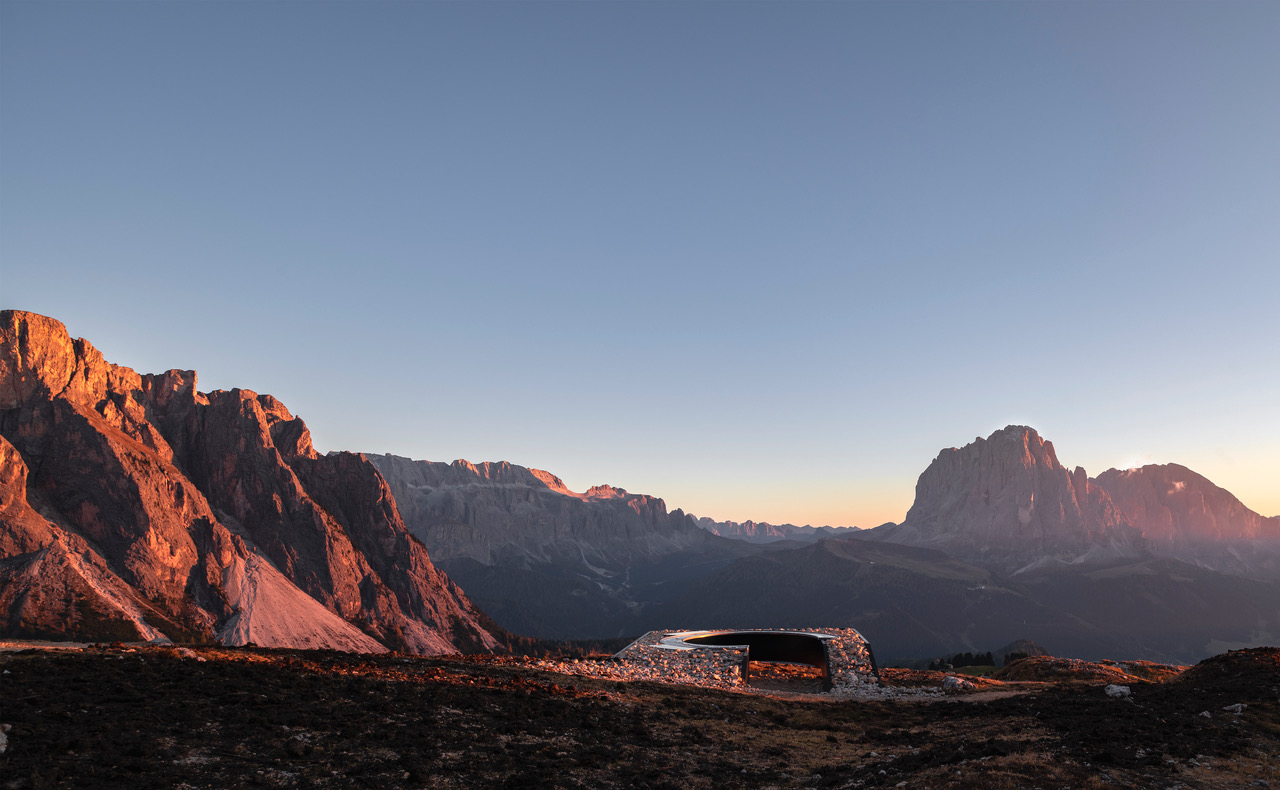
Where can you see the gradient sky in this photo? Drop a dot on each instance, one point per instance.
(763, 260)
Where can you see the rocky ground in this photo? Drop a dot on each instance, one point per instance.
(129, 716)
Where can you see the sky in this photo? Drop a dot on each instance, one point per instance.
(764, 260)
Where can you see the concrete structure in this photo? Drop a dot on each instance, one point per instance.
(724, 656)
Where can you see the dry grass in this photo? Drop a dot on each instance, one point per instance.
(152, 718)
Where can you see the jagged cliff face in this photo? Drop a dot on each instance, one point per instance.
(754, 531)
(1172, 504)
(1007, 502)
(501, 513)
(1008, 497)
(1184, 516)
(764, 532)
(546, 561)
(134, 506)
(1172, 567)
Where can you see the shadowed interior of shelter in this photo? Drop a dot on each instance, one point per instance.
(772, 646)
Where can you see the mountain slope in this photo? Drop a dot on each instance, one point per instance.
(913, 603)
(1184, 516)
(908, 602)
(1174, 504)
(493, 512)
(544, 560)
(764, 532)
(147, 507)
(1155, 561)
(1007, 500)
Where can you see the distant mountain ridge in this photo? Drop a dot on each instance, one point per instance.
(542, 559)
(1007, 501)
(1003, 542)
(764, 532)
(136, 507)
(497, 511)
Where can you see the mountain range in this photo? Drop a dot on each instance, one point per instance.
(1007, 501)
(137, 507)
(764, 532)
(544, 560)
(1003, 542)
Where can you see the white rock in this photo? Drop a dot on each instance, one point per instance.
(1117, 692)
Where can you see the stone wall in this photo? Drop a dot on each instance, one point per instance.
(664, 655)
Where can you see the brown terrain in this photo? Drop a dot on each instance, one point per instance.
(213, 717)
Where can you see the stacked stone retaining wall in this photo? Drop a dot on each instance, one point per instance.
(665, 655)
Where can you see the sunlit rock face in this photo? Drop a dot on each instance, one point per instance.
(1007, 502)
(134, 506)
(1171, 503)
(1008, 498)
(1184, 516)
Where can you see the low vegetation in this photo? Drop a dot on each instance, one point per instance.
(118, 716)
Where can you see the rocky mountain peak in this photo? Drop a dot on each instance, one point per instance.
(36, 356)
(1008, 495)
(136, 507)
(605, 491)
(551, 481)
(1018, 443)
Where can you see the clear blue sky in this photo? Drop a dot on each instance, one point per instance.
(761, 259)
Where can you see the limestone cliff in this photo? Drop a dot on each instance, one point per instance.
(546, 561)
(764, 532)
(135, 506)
(1185, 516)
(1171, 503)
(753, 531)
(1007, 502)
(1007, 499)
(502, 513)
